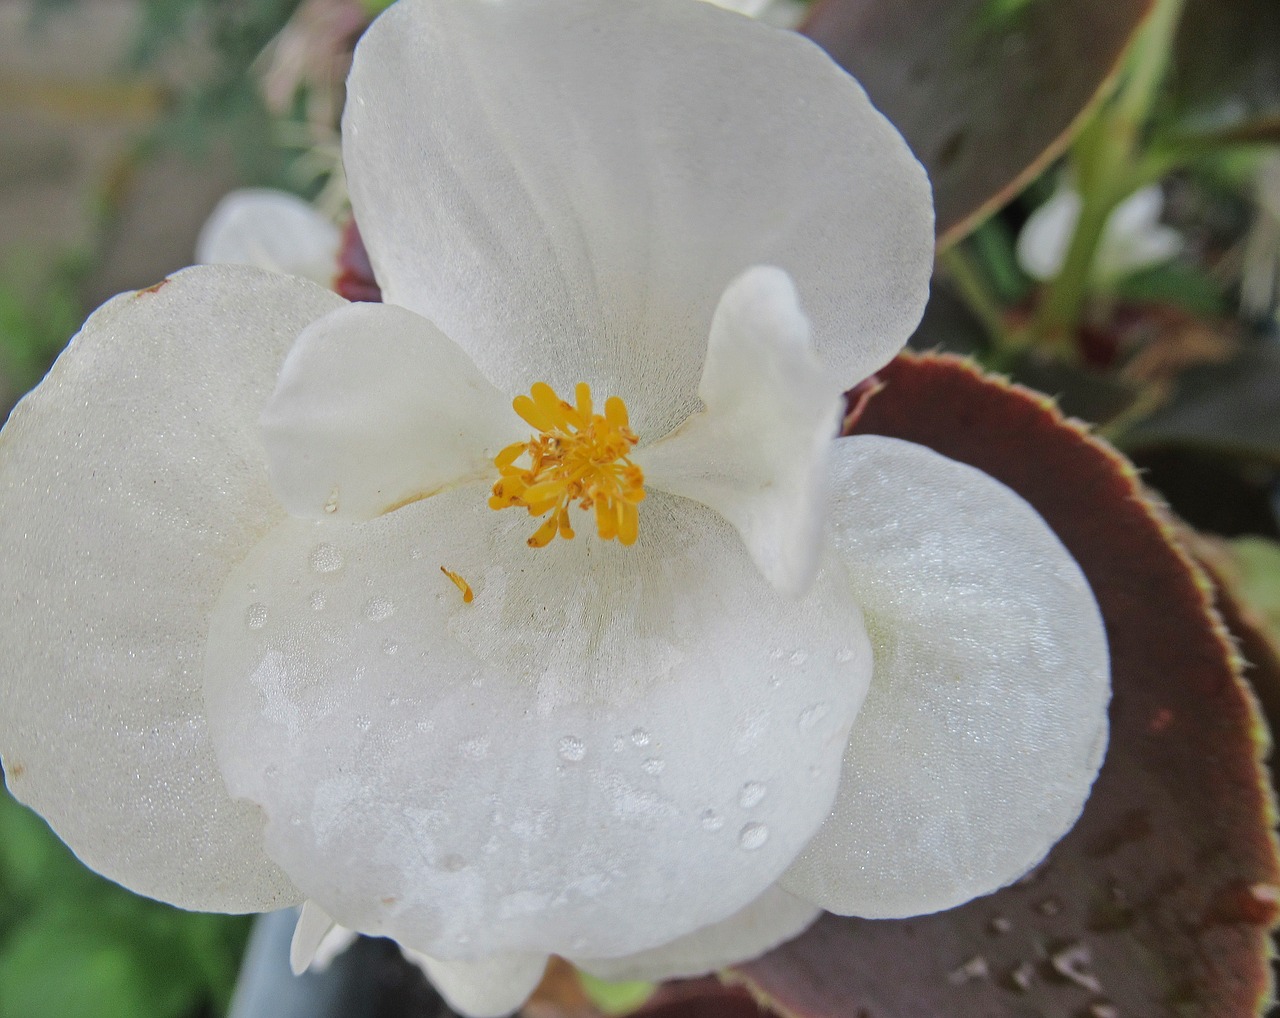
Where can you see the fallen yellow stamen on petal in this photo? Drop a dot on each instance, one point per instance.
(467, 595)
(577, 456)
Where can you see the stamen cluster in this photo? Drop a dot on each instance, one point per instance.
(577, 456)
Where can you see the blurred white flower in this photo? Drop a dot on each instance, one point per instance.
(1133, 239)
(278, 625)
(271, 230)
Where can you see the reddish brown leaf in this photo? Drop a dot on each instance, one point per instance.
(1159, 902)
(355, 272)
(986, 103)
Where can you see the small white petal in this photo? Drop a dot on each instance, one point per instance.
(757, 454)
(1134, 238)
(987, 716)
(772, 919)
(589, 240)
(488, 988)
(608, 748)
(271, 230)
(374, 407)
(314, 924)
(1042, 244)
(131, 483)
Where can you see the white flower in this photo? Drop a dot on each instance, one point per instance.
(272, 230)
(238, 673)
(1133, 238)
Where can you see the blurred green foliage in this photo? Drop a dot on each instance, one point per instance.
(73, 945)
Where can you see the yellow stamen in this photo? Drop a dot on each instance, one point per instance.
(461, 584)
(577, 456)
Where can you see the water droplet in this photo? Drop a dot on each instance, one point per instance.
(812, 714)
(390, 646)
(999, 924)
(619, 745)
(753, 836)
(751, 794)
(256, 616)
(326, 559)
(331, 504)
(1050, 906)
(378, 608)
(571, 748)
(579, 944)
(777, 655)
(415, 553)
(453, 862)
(975, 968)
(318, 600)
(640, 737)
(475, 749)
(653, 766)
(271, 771)
(775, 681)
(1023, 976)
(710, 820)
(844, 655)
(426, 725)
(363, 723)
(1073, 963)
(798, 657)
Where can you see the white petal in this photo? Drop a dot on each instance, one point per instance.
(608, 748)
(374, 408)
(487, 988)
(270, 230)
(1134, 238)
(131, 482)
(758, 452)
(314, 924)
(772, 919)
(583, 180)
(987, 717)
(1042, 244)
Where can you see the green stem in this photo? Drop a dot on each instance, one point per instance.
(1107, 157)
(976, 293)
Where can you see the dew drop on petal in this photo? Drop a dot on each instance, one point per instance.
(653, 766)
(415, 553)
(475, 749)
(256, 616)
(798, 657)
(845, 655)
(390, 646)
(640, 737)
(753, 836)
(318, 600)
(571, 748)
(710, 820)
(812, 714)
(331, 504)
(326, 559)
(378, 608)
(751, 794)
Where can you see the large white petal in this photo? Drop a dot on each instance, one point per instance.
(131, 482)
(987, 716)
(374, 407)
(567, 187)
(486, 988)
(270, 230)
(757, 453)
(772, 919)
(608, 748)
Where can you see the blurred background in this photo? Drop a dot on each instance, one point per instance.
(1108, 188)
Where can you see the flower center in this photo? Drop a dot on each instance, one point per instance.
(577, 456)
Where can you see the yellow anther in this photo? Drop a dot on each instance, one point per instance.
(577, 456)
(461, 584)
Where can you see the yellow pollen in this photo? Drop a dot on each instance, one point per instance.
(577, 456)
(460, 583)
